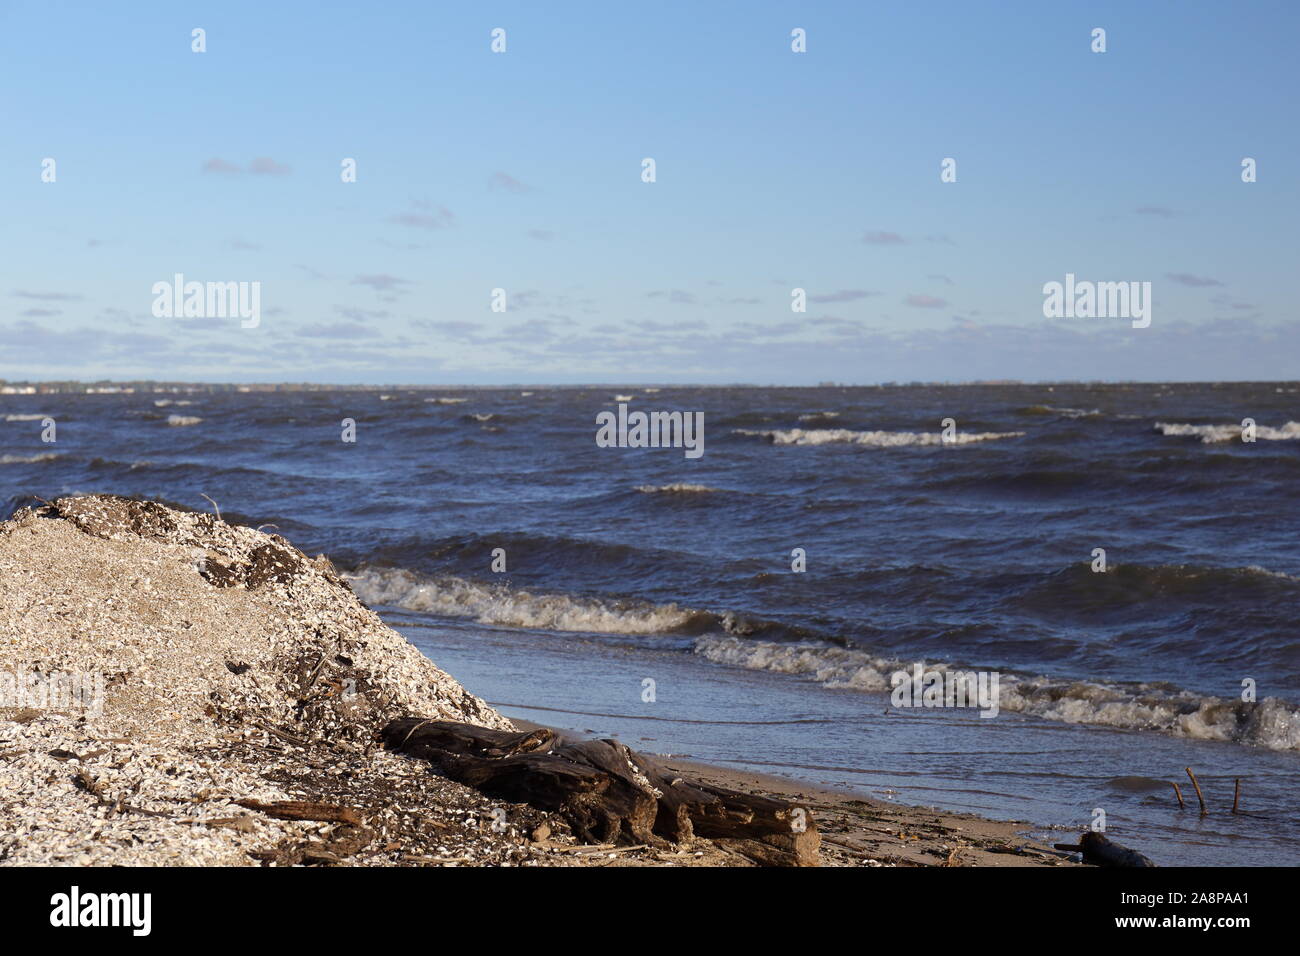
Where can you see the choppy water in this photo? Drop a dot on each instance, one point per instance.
(631, 563)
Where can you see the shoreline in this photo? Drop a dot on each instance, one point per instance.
(860, 831)
(243, 689)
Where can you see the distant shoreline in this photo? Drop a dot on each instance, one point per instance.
(149, 386)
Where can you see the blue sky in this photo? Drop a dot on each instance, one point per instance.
(522, 171)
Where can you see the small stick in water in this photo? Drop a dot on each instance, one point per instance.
(1199, 798)
(1178, 793)
(1236, 794)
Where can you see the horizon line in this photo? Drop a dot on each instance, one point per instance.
(263, 386)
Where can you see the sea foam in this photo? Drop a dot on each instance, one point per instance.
(676, 488)
(506, 607)
(1211, 434)
(27, 459)
(1270, 723)
(874, 439)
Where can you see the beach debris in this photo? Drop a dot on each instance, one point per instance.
(608, 793)
(303, 810)
(1099, 850)
(319, 854)
(1179, 794)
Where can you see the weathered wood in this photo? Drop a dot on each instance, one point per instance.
(1098, 850)
(1200, 799)
(607, 792)
(303, 810)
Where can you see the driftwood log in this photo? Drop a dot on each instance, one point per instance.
(607, 792)
(1098, 850)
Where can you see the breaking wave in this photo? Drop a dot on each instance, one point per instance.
(1064, 412)
(503, 606)
(875, 439)
(676, 488)
(1271, 723)
(819, 418)
(27, 459)
(179, 421)
(1211, 434)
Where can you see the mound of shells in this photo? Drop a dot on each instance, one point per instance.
(163, 671)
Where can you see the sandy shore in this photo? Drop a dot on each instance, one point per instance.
(178, 691)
